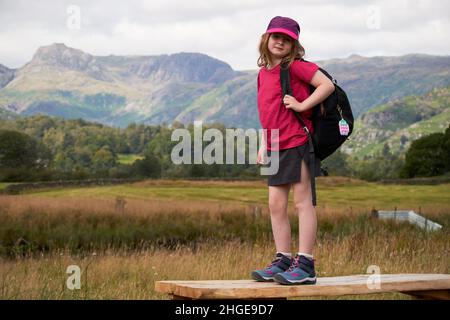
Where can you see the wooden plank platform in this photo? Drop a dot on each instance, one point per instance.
(424, 286)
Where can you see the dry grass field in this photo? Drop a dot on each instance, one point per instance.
(203, 230)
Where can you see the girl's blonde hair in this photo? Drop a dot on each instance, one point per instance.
(264, 60)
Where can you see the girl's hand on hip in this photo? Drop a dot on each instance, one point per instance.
(291, 103)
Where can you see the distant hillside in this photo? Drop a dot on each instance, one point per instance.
(114, 90)
(368, 82)
(5, 114)
(374, 81)
(118, 90)
(6, 75)
(399, 122)
(232, 103)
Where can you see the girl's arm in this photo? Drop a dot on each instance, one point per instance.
(324, 87)
(262, 151)
(263, 140)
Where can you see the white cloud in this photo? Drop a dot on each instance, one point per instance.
(227, 30)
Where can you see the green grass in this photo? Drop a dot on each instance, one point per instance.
(356, 195)
(129, 158)
(3, 185)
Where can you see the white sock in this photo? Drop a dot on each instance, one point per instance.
(287, 254)
(309, 256)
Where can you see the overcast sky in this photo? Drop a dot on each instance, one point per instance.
(228, 30)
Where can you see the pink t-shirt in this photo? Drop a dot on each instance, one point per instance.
(273, 114)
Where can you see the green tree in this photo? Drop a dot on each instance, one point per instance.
(103, 159)
(150, 167)
(20, 150)
(337, 164)
(64, 160)
(446, 149)
(426, 157)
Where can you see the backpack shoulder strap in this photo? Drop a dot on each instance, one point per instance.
(285, 80)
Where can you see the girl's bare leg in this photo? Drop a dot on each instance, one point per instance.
(306, 212)
(278, 204)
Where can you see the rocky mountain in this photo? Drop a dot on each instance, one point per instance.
(394, 125)
(114, 90)
(118, 90)
(183, 67)
(368, 82)
(374, 81)
(6, 75)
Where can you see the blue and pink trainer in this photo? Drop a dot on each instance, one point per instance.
(280, 264)
(301, 271)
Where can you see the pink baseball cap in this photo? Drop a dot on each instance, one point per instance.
(284, 25)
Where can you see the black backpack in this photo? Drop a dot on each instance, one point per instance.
(330, 118)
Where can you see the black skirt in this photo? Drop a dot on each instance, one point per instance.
(290, 164)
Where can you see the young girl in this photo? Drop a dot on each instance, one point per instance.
(280, 45)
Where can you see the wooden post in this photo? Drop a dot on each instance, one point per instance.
(374, 213)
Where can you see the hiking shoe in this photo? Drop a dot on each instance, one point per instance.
(280, 264)
(301, 271)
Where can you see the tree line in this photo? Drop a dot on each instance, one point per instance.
(44, 148)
